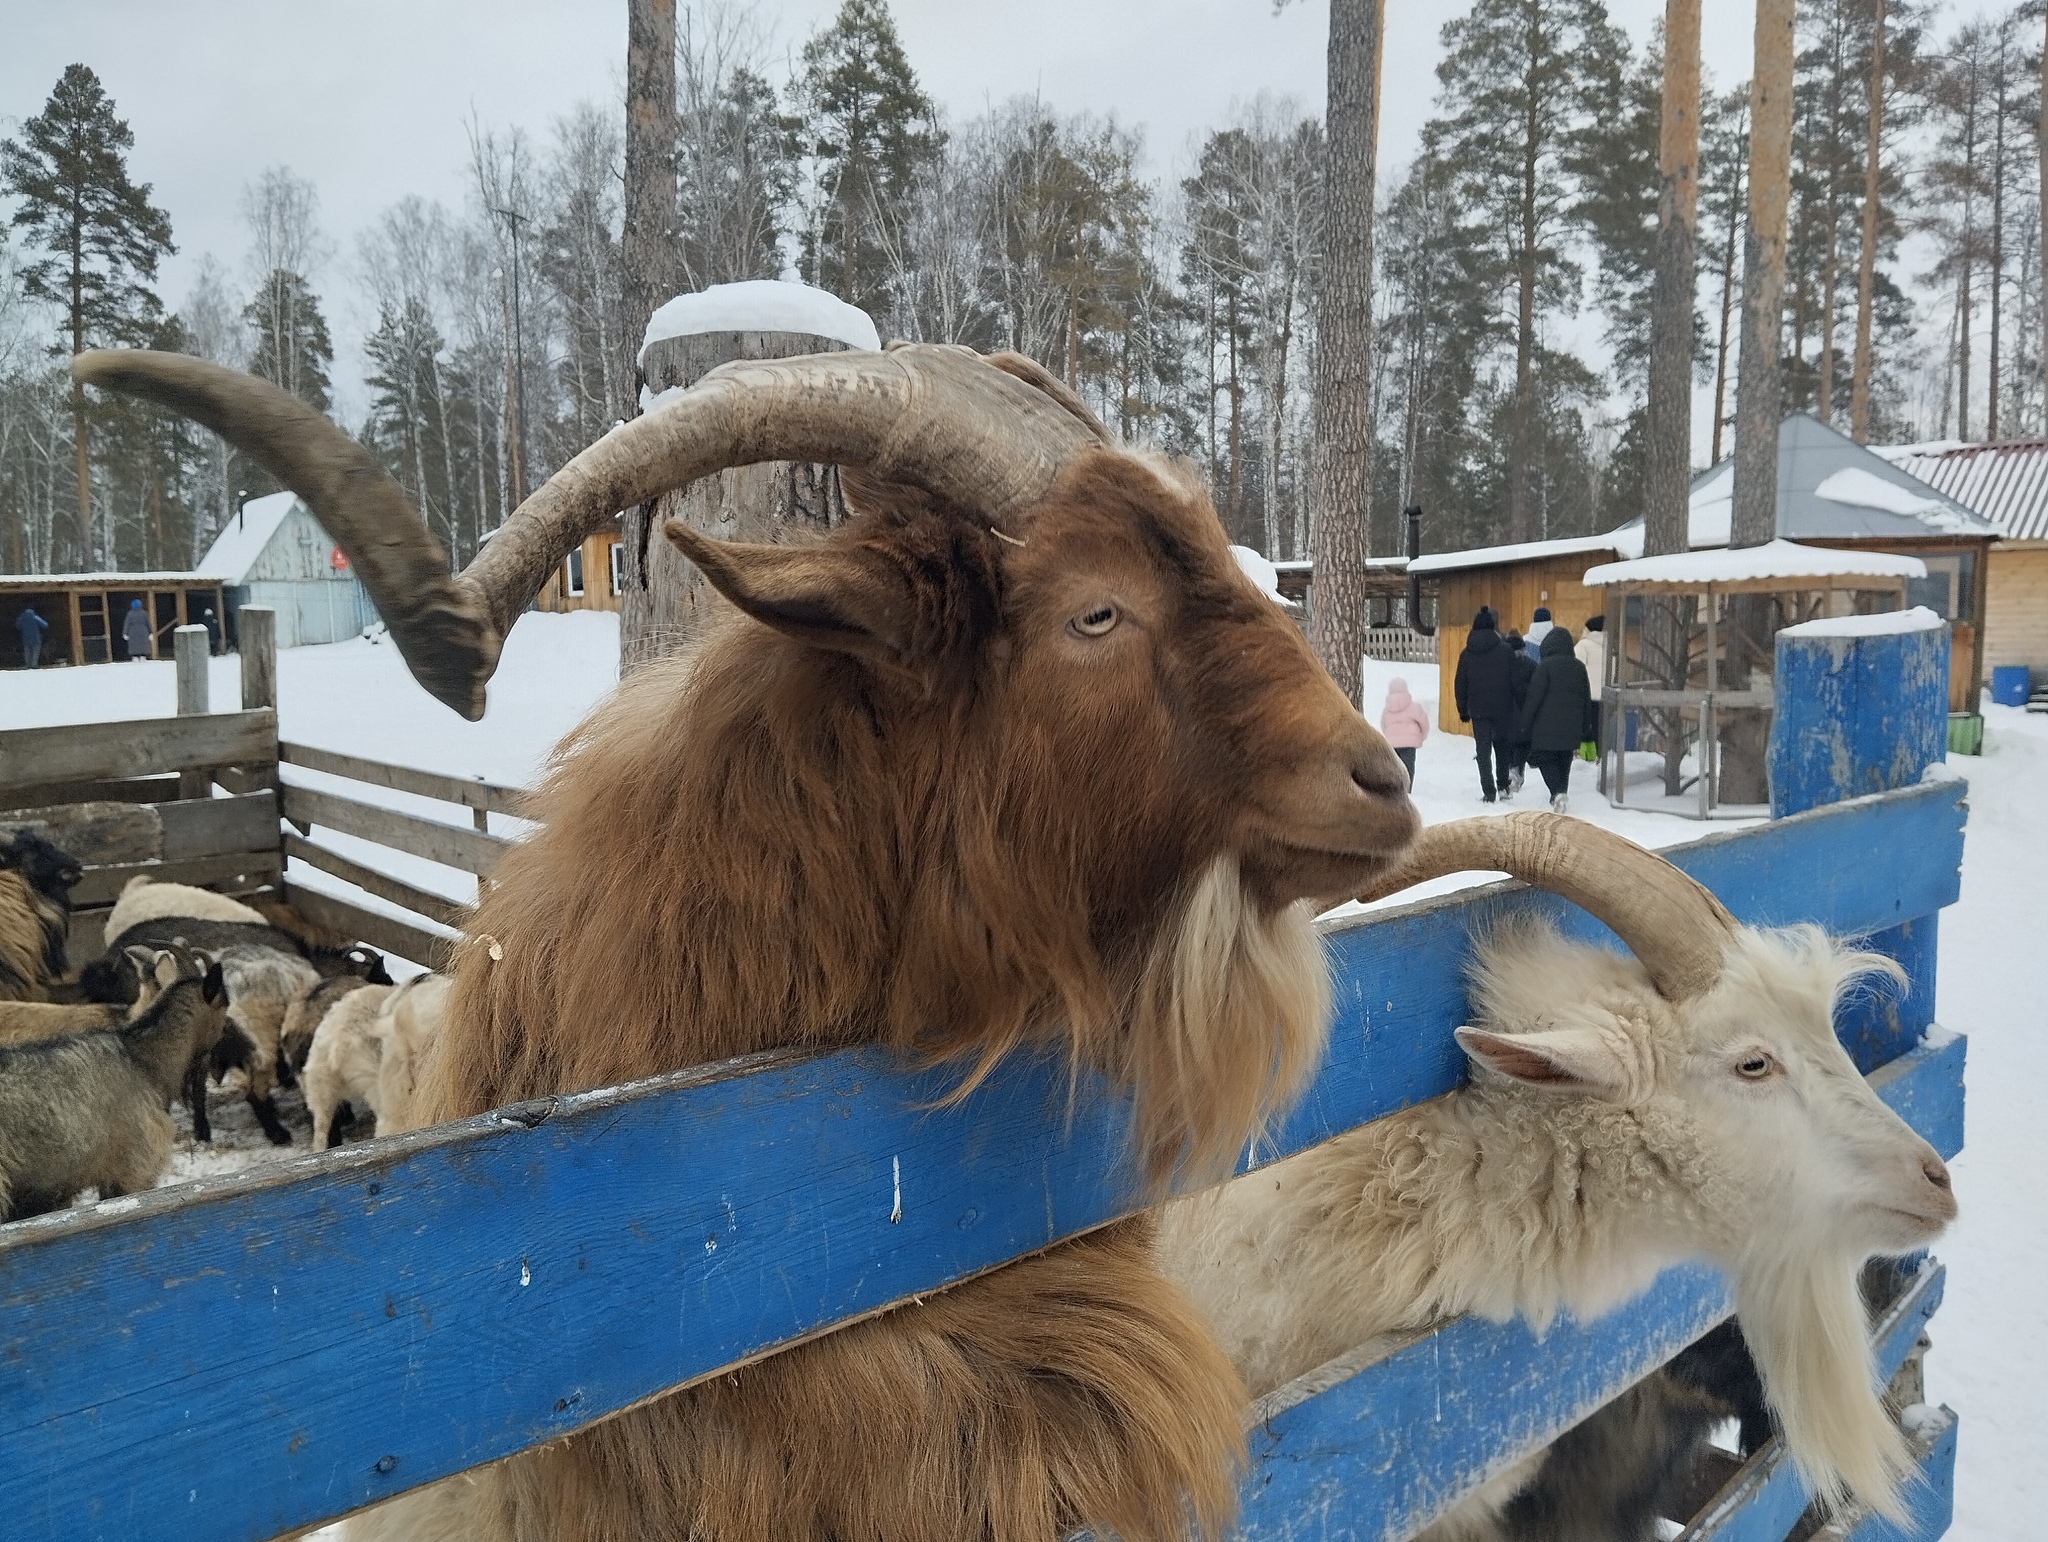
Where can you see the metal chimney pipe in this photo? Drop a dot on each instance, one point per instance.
(1413, 515)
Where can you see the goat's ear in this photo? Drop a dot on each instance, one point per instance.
(166, 969)
(213, 985)
(839, 597)
(1580, 1060)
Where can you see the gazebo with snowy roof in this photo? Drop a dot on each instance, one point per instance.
(1690, 635)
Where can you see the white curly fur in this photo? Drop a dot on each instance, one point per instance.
(143, 900)
(409, 1021)
(1646, 1147)
(348, 1050)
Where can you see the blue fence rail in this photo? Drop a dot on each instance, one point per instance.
(242, 1356)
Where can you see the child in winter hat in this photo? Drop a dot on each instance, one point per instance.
(1405, 724)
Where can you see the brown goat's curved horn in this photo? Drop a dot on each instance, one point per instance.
(444, 631)
(1670, 920)
(936, 418)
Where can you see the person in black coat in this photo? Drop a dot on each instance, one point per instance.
(1485, 691)
(1558, 714)
(1522, 670)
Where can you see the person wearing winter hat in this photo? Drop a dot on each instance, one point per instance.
(1591, 651)
(136, 631)
(1556, 715)
(1484, 688)
(1521, 669)
(1532, 640)
(1404, 723)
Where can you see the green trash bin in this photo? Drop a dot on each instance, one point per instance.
(1965, 733)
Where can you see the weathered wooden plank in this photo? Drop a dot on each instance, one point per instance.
(141, 789)
(233, 873)
(451, 845)
(256, 633)
(1912, 1087)
(434, 907)
(241, 779)
(208, 827)
(97, 834)
(472, 793)
(384, 933)
(748, 1212)
(1765, 1499)
(143, 747)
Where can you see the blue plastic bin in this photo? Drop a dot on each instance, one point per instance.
(2010, 684)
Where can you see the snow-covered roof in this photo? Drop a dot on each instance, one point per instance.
(242, 539)
(1888, 623)
(1777, 559)
(2005, 483)
(762, 305)
(107, 580)
(1521, 551)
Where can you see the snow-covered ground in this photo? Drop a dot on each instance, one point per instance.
(1990, 1359)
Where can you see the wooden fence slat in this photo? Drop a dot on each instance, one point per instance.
(143, 747)
(490, 797)
(141, 789)
(261, 1314)
(455, 846)
(434, 907)
(208, 827)
(232, 873)
(1931, 1502)
(382, 932)
(311, 1284)
(97, 834)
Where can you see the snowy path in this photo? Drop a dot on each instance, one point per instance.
(1991, 1354)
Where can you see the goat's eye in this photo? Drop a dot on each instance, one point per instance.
(1094, 622)
(1754, 1068)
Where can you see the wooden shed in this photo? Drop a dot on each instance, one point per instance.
(84, 612)
(592, 577)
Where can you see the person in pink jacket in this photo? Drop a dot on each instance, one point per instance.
(1405, 723)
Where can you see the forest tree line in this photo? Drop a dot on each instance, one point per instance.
(1513, 269)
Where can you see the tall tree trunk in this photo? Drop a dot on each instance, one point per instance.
(1742, 734)
(652, 273)
(1343, 406)
(1727, 310)
(2041, 261)
(80, 455)
(1236, 516)
(1997, 235)
(1963, 344)
(1866, 263)
(1757, 395)
(1669, 410)
(1521, 517)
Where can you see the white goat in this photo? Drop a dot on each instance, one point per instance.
(410, 1020)
(145, 900)
(1624, 1114)
(347, 1053)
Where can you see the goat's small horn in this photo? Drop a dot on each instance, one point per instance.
(1671, 921)
(978, 439)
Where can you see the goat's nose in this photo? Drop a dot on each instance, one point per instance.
(1936, 1171)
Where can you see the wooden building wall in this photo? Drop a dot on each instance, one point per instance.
(2016, 606)
(1513, 590)
(600, 579)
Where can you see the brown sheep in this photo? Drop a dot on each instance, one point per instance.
(35, 914)
(1015, 756)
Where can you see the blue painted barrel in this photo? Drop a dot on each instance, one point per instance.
(1861, 706)
(2010, 684)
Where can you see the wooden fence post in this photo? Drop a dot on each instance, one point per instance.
(193, 647)
(1862, 707)
(256, 625)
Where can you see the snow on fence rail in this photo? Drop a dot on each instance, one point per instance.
(246, 1355)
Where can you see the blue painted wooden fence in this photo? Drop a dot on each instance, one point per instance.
(250, 1354)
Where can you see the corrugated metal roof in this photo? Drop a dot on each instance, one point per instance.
(2006, 482)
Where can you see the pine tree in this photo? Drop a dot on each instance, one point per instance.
(292, 349)
(868, 126)
(100, 236)
(1524, 82)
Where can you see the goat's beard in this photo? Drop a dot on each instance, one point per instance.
(1805, 1322)
(1227, 1022)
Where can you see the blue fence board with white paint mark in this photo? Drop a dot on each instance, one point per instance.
(1855, 715)
(256, 1353)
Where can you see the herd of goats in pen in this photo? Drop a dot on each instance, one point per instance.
(1018, 756)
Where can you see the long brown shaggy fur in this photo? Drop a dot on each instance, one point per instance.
(956, 845)
(33, 931)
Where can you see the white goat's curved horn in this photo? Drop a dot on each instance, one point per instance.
(1670, 920)
(977, 439)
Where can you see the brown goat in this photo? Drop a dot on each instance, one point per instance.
(942, 784)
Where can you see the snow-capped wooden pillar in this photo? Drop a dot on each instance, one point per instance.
(662, 596)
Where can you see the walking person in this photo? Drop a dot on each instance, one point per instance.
(136, 630)
(31, 628)
(1405, 724)
(1521, 670)
(211, 622)
(1591, 651)
(1539, 628)
(1484, 689)
(1555, 716)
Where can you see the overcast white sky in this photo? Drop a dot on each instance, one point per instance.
(369, 98)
